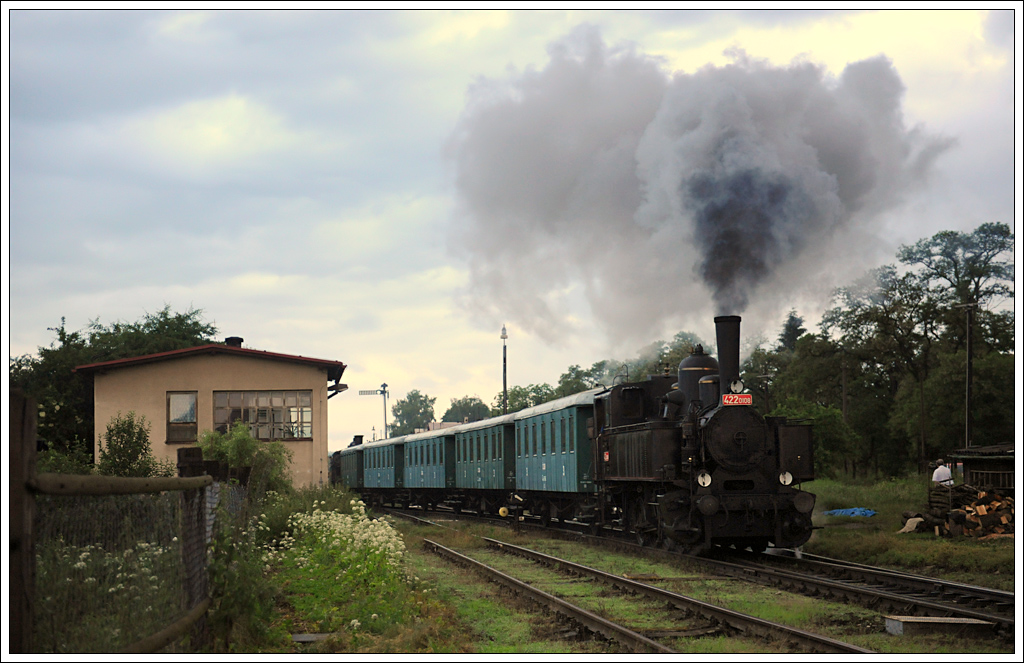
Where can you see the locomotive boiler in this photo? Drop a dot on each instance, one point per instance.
(681, 461)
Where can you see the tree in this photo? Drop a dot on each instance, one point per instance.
(970, 265)
(893, 318)
(792, 330)
(520, 398)
(414, 411)
(467, 408)
(969, 268)
(65, 397)
(125, 450)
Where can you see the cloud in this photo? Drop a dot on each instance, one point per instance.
(206, 137)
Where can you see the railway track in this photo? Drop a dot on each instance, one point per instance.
(701, 618)
(877, 588)
(883, 590)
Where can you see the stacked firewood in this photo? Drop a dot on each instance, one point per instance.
(963, 510)
(990, 513)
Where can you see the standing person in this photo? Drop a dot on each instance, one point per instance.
(942, 476)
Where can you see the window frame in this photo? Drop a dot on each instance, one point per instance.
(182, 432)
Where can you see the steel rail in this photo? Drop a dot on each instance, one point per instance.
(608, 629)
(737, 620)
(936, 587)
(874, 598)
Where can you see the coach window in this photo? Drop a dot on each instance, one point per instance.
(572, 436)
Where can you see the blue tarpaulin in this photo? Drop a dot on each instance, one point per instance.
(850, 512)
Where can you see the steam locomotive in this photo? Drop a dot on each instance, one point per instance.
(684, 461)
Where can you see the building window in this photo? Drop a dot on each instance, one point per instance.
(270, 415)
(181, 417)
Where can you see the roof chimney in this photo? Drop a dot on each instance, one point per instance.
(233, 341)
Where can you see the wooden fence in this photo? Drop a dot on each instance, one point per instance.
(25, 484)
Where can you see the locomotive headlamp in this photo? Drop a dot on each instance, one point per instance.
(785, 478)
(704, 479)
(708, 505)
(736, 386)
(803, 502)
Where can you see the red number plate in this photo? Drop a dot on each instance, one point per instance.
(738, 399)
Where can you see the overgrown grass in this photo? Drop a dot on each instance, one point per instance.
(338, 571)
(89, 599)
(876, 539)
(343, 573)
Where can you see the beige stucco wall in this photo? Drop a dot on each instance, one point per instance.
(143, 389)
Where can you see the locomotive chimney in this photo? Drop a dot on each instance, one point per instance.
(727, 329)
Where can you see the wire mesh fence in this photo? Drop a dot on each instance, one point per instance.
(113, 570)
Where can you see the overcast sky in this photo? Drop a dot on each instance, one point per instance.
(387, 188)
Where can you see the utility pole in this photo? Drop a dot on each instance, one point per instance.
(969, 415)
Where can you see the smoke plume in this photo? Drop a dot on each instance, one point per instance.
(600, 184)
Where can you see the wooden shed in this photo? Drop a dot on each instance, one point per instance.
(988, 467)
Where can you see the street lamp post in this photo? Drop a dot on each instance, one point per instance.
(504, 371)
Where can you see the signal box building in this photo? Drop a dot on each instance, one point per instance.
(182, 393)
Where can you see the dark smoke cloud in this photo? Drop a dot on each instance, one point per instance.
(600, 184)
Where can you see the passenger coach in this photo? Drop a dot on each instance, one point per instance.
(540, 458)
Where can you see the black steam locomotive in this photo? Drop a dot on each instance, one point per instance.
(680, 461)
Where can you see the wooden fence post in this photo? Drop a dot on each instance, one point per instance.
(193, 544)
(22, 510)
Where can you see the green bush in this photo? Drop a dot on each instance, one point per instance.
(278, 509)
(345, 570)
(73, 460)
(125, 451)
(270, 461)
(243, 596)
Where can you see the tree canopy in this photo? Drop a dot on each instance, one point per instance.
(414, 411)
(65, 398)
(891, 355)
(466, 409)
